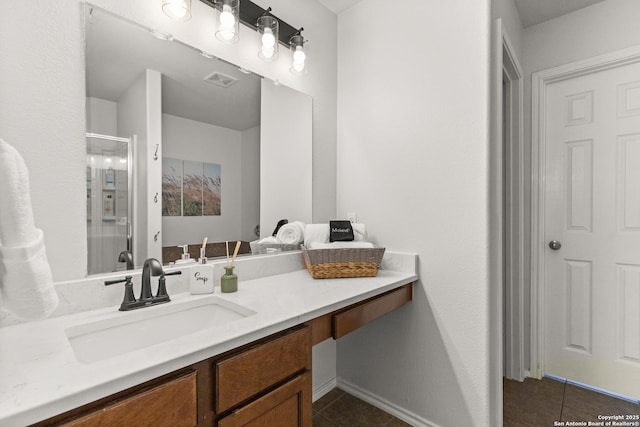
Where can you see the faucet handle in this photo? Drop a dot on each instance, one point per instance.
(162, 286)
(113, 282)
(129, 299)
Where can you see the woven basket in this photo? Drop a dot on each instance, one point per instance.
(343, 262)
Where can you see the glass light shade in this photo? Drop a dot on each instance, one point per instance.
(178, 10)
(229, 21)
(268, 28)
(299, 55)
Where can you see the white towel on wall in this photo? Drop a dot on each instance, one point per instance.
(291, 233)
(16, 215)
(26, 283)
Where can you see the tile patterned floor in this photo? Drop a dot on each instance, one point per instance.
(540, 403)
(339, 408)
(532, 403)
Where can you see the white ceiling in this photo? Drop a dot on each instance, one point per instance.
(118, 52)
(533, 12)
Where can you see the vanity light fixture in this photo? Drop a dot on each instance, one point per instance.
(279, 31)
(228, 21)
(299, 60)
(178, 10)
(268, 28)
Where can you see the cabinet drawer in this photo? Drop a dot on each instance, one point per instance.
(369, 310)
(287, 406)
(244, 375)
(170, 404)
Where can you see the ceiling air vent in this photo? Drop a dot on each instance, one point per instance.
(220, 79)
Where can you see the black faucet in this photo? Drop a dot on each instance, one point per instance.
(152, 267)
(126, 256)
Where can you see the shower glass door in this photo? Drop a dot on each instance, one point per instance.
(109, 197)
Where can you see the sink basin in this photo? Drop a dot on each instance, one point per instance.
(125, 332)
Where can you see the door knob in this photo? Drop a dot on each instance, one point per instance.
(555, 245)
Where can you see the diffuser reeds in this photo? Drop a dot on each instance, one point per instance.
(232, 262)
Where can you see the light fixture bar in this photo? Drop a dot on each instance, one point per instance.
(249, 14)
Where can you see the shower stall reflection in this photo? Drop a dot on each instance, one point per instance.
(109, 202)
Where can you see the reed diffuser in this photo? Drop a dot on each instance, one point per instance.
(229, 280)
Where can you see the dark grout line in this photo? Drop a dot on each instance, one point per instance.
(564, 393)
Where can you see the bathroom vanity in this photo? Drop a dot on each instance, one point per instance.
(255, 369)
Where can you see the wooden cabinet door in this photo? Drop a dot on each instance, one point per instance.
(247, 374)
(170, 404)
(287, 406)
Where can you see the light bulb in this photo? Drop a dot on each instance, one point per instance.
(298, 66)
(299, 55)
(227, 19)
(267, 52)
(227, 34)
(268, 40)
(177, 9)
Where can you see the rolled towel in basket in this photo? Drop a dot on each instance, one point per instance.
(291, 233)
(359, 232)
(340, 245)
(268, 240)
(316, 233)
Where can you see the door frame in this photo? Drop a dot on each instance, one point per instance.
(539, 83)
(512, 141)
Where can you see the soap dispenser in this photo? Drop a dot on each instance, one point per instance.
(185, 258)
(202, 278)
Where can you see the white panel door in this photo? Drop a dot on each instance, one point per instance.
(592, 282)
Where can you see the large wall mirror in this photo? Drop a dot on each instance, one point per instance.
(182, 145)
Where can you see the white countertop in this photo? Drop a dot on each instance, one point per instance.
(40, 376)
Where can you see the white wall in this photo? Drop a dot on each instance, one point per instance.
(285, 155)
(595, 30)
(413, 153)
(42, 101)
(508, 12)
(186, 139)
(250, 167)
(102, 116)
(132, 120)
(42, 114)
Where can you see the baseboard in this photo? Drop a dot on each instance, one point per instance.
(385, 405)
(324, 389)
